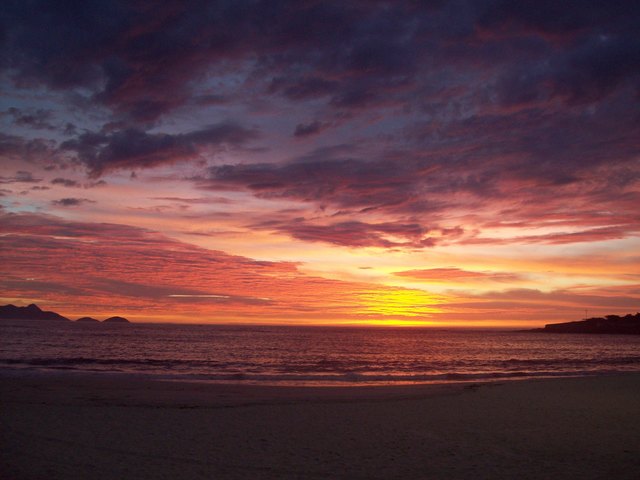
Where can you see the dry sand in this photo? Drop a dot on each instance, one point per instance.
(83, 427)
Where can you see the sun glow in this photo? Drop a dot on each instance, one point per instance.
(400, 306)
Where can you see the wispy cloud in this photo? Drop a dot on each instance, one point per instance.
(457, 275)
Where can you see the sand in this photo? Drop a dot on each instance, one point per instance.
(103, 427)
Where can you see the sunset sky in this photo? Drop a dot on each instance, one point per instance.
(446, 163)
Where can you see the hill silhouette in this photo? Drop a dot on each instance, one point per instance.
(33, 312)
(116, 320)
(30, 312)
(87, 320)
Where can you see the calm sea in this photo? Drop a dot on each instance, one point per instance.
(310, 355)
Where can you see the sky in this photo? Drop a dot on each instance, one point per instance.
(437, 163)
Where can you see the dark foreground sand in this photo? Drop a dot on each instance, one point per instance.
(67, 427)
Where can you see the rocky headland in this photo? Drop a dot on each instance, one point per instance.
(610, 324)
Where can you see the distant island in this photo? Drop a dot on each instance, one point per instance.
(33, 312)
(610, 324)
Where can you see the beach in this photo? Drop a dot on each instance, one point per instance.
(58, 426)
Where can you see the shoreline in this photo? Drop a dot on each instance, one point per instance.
(66, 427)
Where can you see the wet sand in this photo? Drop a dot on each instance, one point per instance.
(103, 427)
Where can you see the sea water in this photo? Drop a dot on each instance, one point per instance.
(309, 355)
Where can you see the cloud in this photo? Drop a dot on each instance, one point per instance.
(150, 275)
(196, 201)
(163, 292)
(450, 113)
(356, 234)
(344, 182)
(540, 307)
(571, 297)
(353, 54)
(71, 202)
(518, 184)
(596, 68)
(303, 88)
(457, 275)
(554, 18)
(49, 225)
(39, 119)
(65, 182)
(132, 148)
(21, 176)
(21, 149)
(309, 129)
(600, 234)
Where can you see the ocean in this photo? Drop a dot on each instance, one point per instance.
(309, 355)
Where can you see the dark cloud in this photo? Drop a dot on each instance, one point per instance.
(65, 182)
(26, 177)
(559, 18)
(525, 110)
(31, 150)
(133, 148)
(21, 176)
(310, 49)
(540, 168)
(584, 75)
(308, 129)
(196, 201)
(39, 119)
(70, 129)
(303, 88)
(69, 183)
(342, 182)
(71, 202)
(354, 53)
(357, 234)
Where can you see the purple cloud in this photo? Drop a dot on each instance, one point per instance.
(71, 202)
(356, 234)
(132, 148)
(65, 182)
(522, 111)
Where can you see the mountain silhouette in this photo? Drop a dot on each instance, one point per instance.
(33, 312)
(30, 312)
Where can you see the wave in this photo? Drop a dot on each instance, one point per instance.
(574, 361)
(244, 372)
(151, 362)
(327, 367)
(369, 379)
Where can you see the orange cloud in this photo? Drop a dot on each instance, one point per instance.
(102, 268)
